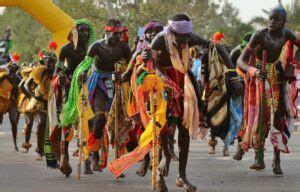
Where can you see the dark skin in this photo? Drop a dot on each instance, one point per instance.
(41, 115)
(149, 36)
(106, 53)
(73, 57)
(13, 112)
(163, 60)
(272, 39)
(235, 54)
(135, 43)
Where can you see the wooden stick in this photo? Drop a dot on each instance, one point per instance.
(116, 116)
(81, 132)
(261, 110)
(62, 142)
(154, 140)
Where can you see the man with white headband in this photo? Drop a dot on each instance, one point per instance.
(172, 57)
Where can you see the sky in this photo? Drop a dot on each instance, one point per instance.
(251, 8)
(248, 8)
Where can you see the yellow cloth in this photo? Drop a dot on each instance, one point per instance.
(85, 113)
(5, 92)
(43, 81)
(153, 83)
(5, 86)
(150, 83)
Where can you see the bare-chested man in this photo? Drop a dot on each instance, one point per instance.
(279, 110)
(171, 47)
(105, 53)
(71, 55)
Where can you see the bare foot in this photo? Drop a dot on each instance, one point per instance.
(183, 182)
(163, 167)
(225, 152)
(97, 168)
(143, 167)
(277, 168)
(258, 166)
(239, 154)
(87, 167)
(162, 187)
(26, 147)
(66, 168)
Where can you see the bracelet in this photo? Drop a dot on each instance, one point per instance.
(230, 70)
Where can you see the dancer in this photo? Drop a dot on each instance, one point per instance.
(40, 78)
(105, 53)
(71, 55)
(280, 90)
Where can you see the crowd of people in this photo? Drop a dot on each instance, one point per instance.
(107, 93)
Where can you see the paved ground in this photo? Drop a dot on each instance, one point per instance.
(21, 173)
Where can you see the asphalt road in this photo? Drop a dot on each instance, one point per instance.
(21, 173)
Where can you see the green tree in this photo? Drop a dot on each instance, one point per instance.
(208, 17)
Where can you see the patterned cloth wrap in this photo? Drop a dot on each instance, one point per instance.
(102, 80)
(278, 122)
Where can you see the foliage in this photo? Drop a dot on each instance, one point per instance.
(208, 17)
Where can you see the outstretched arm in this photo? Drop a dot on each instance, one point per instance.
(242, 61)
(225, 57)
(198, 40)
(234, 54)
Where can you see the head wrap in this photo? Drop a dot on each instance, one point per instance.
(279, 9)
(152, 25)
(114, 28)
(73, 35)
(181, 27)
(70, 110)
(122, 29)
(143, 42)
